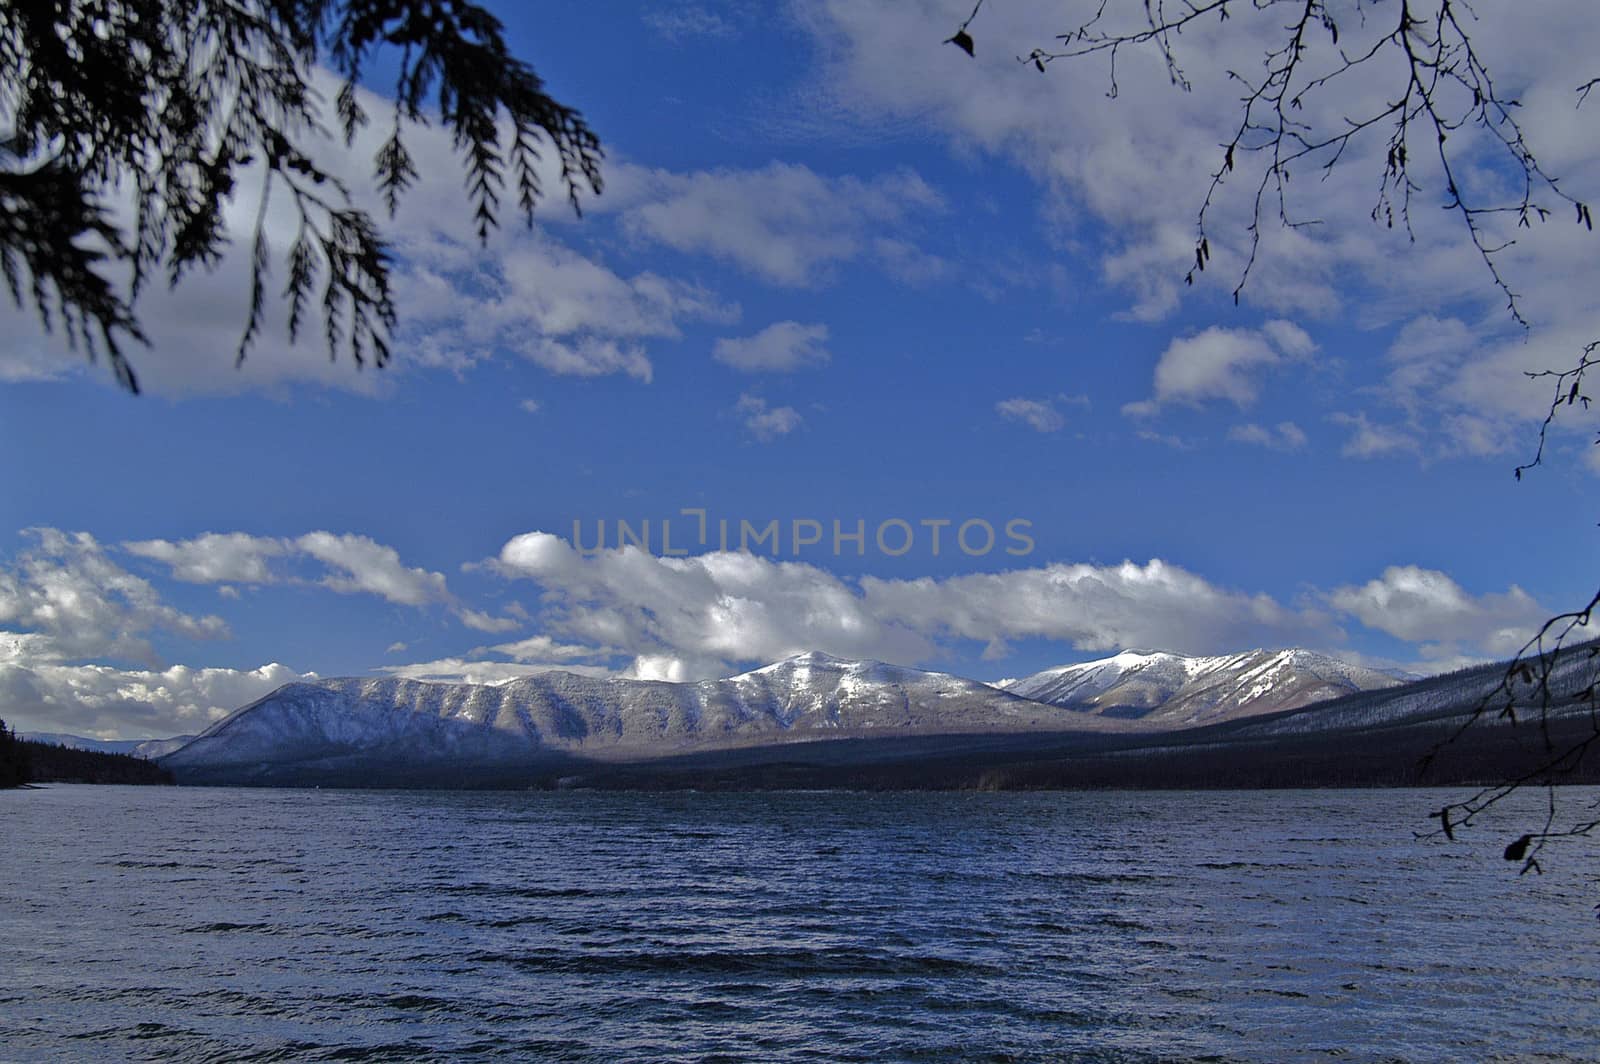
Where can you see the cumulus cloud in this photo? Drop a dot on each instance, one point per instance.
(1040, 415)
(779, 348)
(346, 563)
(561, 310)
(623, 611)
(352, 564)
(767, 423)
(525, 293)
(783, 222)
(701, 616)
(694, 617)
(72, 601)
(702, 612)
(214, 558)
(1222, 363)
(105, 702)
(1120, 184)
(1094, 607)
(66, 606)
(361, 565)
(1417, 604)
(504, 662)
(479, 621)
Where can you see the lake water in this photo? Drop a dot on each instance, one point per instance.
(197, 924)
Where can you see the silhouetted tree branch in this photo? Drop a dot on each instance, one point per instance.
(159, 107)
(1434, 87)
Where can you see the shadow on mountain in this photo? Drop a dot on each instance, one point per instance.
(1406, 735)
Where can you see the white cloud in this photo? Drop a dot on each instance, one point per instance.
(1289, 338)
(524, 292)
(22, 361)
(352, 563)
(1221, 363)
(767, 423)
(1369, 440)
(685, 618)
(106, 702)
(1215, 364)
(1156, 605)
(698, 615)
(65, 603)
(564, 312)
(702, 612)
(1121, 181)
(527, 657)
(73, 602)
(779, 348)
(346, 563)
(214, 558)
(485, 622)
(363, 565)
(542, 648)
(1040, 415)
(464, 670)
(1284, 436)
(1417, 604)
(784, 222)
(1425, 354)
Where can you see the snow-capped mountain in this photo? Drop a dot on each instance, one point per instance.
(1173, 691)
(812, 696)
(145, 748)
(1139, 718)
(1565, 692)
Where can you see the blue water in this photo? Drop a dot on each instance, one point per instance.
(194, 924)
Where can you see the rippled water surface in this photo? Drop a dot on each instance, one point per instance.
(193, 924)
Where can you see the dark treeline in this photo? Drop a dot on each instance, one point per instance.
(14, 770)
(1390, 757)
(25, 761)
(1380, 757)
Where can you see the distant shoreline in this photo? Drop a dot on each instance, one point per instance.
(1382, 758)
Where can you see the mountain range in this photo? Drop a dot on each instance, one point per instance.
(1164, 690)
(813, 696)
(1138, 718)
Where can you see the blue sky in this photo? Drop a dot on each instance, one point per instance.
(840, 273)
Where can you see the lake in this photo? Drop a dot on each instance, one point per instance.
(201, 924)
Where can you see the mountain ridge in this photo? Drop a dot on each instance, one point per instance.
(817, 721)
(559, 713)
(149, 749)
(1173, 690)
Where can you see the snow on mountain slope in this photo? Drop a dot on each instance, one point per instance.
(811, 696)
(1449, 698)
(1173, 691)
